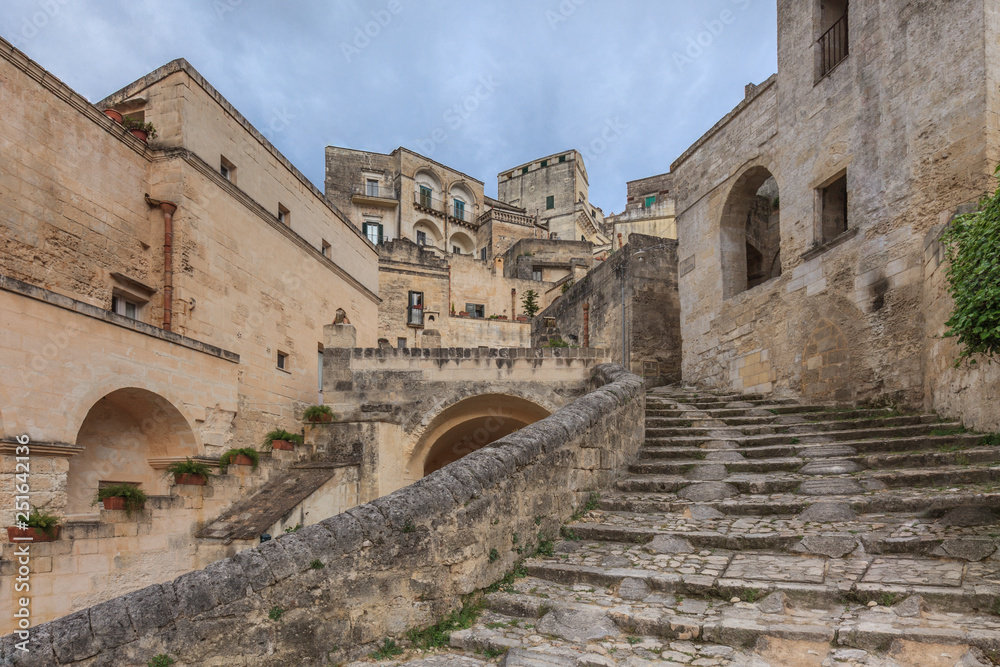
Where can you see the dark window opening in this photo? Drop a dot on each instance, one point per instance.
(834, 207)
(476, 310)
(524, 170)
(283, 361)
(550, 202)
(833, 43)
(545, 163)
(562, 158)
(415, 309)
(401, 343)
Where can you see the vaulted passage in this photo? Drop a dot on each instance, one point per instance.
(469, 425)
(121, 433)
(751, 233)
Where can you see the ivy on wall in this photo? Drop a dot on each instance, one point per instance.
(972, 246)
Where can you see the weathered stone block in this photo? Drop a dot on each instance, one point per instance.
(72, 637)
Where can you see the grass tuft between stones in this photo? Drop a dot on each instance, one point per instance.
(439, 635)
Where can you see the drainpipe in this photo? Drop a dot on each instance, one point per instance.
(168, 208)
(586, 325)
(513, 301)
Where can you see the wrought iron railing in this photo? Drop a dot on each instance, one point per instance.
(833, 46)
(377, 190)
(428, 202)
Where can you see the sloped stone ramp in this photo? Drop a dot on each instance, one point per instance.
(755, 531)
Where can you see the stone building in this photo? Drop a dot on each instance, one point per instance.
(874, 142)
(158, 301)
(556, 189)
(649, 210)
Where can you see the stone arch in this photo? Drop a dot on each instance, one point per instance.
(435, 237)
(462, 241)
(468, 425)
(121, 432)
(428, 177)
(750, 232)
(460, 190)
(826, 364)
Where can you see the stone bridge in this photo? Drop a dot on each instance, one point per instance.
(404, 413)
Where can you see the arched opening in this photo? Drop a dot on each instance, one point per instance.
(427, 190)
(751, 232)
(463, 203)
(469, 425)
(461, 244)
(120, 434)
(426, 233)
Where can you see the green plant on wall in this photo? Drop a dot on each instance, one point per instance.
(972, 247)
(530, 303)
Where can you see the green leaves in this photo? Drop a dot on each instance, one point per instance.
(972, 247)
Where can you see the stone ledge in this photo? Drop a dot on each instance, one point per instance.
(24, 289)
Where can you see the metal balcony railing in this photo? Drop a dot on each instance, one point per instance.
(377, 190)
(464, 213)
(833, 46)
(428, 202)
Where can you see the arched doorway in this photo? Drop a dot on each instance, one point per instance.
(121, 432)
(469, 425)
(750, 232)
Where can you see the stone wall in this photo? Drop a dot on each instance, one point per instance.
(846, 320)
(652, 341)
(554, 258)
(401, 561)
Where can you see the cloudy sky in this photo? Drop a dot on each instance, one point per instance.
(480, 85)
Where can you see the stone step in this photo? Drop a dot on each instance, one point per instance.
(848, 537)
(697, 426)
(927, 503)
(664, 448)
(733, 461)
(863, 432)
(947, 585)
(704, 626)
(811, 485)
(764, 410)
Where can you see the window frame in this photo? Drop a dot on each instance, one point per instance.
(550, 202)
(476, 311)
(283, 361)
(366, 228)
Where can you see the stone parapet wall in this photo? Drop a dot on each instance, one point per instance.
(401, 561)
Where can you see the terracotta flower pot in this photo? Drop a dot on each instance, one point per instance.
(286, 445)
(241, 460)
(33, 534)
(463, 314)
(113, 115)
(114, 503)
(522, 318)
(190, 478)
(141, 135)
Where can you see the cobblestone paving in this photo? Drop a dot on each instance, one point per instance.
(893, 564)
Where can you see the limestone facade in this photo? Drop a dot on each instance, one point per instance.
(649, 210)
(556, 189)
(852, 305)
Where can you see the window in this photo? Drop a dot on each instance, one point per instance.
(283, 362)
(482, 254)
(227, 169)
(373, 230)
(371, 187)
(415, 309)
(476, 310)
(833, 203)
(319, 368)
(550, 202)
(536, 274)
(401, 343)
(283, 216)
(524, 170)
(459, 209)
(562, 158)
(425, 196)
(545, 163)
(327, 250)
(456, 250)
(832, 46)
(126, 306)
(421, 238)
(649, 201)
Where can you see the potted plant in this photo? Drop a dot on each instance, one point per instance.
(282, 439)
(41, 526)
(140, 130)
(522, 318)
(128, 497)
(113, 115)
(194, 473)
(318, 414)
(243, 456)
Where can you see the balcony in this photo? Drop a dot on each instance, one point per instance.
(428, 203)
(374, 194)
(510, 217)
(462, 215)
(833, 46)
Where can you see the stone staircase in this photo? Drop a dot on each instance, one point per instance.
(763, 531)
